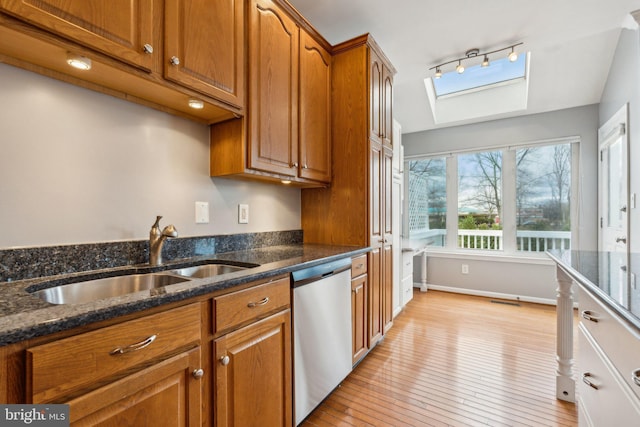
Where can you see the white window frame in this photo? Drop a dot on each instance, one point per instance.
(508, 217)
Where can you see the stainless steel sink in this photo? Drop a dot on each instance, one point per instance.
(92, 290)
(207, 270)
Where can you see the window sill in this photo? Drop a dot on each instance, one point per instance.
(540, 258)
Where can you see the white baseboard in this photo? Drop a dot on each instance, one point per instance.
(492, 294)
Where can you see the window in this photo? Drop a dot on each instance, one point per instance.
(428, 200)
(513, 199)
(543, 197)
(501, 71)
(480, 200)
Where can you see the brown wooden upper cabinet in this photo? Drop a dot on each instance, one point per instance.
(315, 110)
(286, 133)
(197, 44)
(120, 28)
(204, 47)
(273, 88)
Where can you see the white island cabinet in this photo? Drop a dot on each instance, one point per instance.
(605, 379)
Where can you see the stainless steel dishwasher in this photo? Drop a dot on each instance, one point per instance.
(321, 332)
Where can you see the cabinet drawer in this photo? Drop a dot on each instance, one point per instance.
(359, 265)
(239, 307)
(69, 364)
(608, 400)
(407, 264)
(609, 331)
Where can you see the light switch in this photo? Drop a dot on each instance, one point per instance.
(243, 214)
(202, 212)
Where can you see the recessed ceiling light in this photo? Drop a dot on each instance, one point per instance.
(196, 104)
(79, 62)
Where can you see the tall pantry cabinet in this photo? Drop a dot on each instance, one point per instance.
(356, 208)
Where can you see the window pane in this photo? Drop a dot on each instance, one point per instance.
(543, 191)
(480, 200)
(428, 200)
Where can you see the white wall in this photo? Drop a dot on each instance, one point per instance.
(510, 277)
(623, 86)
(77, 166)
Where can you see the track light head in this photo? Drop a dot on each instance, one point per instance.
(513, 56)
(438, 73)
(460, 67)
(485, 61)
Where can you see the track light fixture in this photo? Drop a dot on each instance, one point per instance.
(472, 53)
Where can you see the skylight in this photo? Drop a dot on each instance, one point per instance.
(478, 77)
(490, 92)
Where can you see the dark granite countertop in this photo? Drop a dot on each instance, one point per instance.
(24, 316)
(600, 273)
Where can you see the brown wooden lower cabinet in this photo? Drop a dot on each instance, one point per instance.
(252, 368)
(359, 316)
(167, 393)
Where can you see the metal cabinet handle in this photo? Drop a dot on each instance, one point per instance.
(621, 239)
(147, 48)
(198, 373)
(356, 290)
(587, 381)
(360, 266)
(636, 377)
(174, 60)
(224, 360)
(134, 347)
(588, 315)
(623, 208)
(263, 301)
(305, 166)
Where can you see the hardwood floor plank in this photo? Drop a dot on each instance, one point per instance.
(455, 360)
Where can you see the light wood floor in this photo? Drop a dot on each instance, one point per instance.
(455, 360)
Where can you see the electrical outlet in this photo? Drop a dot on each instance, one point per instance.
(202, 212)
(243, 214)
(465, 268)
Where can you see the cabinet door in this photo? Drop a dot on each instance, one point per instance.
(168, 393)
(386, 109)
(359, 316)
(119, 28)
(375, 95)
(273, 87)
(253, 374)
(315, 110)
(206, 38)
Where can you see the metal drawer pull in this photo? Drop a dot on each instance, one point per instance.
(586, 314)
(587, 381)
(224, 360)
(636, 377)
(263, 301)
(134, 347)
(198, 373)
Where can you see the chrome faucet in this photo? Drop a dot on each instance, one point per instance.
(156, 240)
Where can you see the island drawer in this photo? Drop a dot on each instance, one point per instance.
(89, 359)
(610, 331)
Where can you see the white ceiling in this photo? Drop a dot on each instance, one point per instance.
(571, 43)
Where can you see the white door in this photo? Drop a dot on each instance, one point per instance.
(613, 204)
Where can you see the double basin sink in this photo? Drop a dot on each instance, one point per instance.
(108, 287)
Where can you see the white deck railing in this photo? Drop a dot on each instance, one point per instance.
(527, 241)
